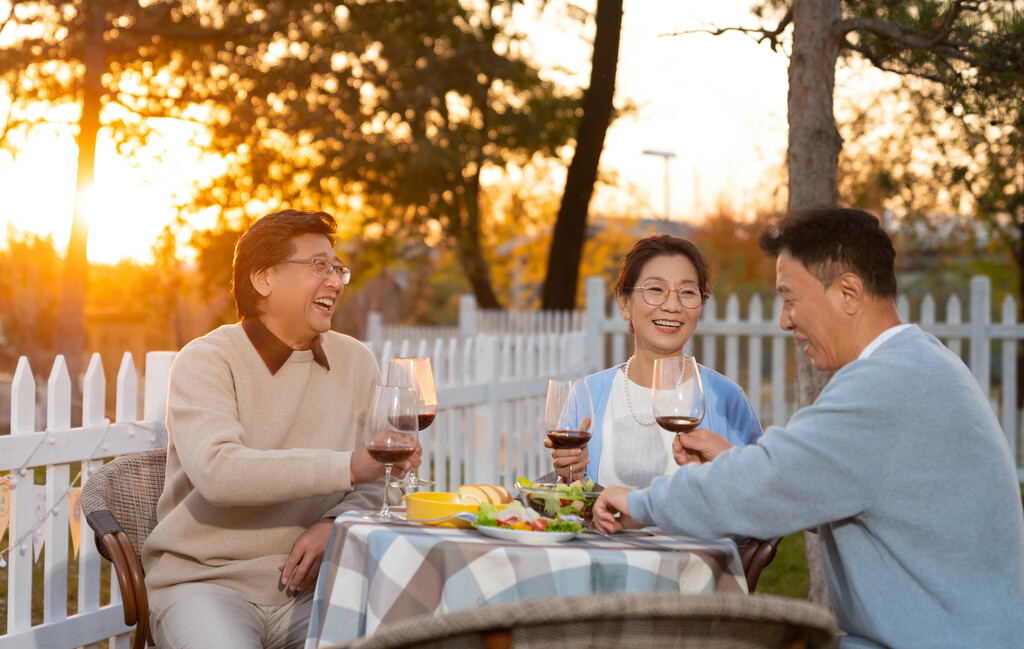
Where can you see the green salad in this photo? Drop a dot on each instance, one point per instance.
(575, 499)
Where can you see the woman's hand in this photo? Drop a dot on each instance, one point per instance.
(698, 446)
(563, 458)
(577, 458)
(611, 512)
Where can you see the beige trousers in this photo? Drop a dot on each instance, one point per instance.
(197, 616)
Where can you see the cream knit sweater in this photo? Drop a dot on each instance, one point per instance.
(254, 459)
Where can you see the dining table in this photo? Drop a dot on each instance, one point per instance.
(375, 574)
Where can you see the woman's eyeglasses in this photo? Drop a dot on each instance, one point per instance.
(656, 294)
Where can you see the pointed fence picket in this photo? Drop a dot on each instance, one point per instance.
(55, 449)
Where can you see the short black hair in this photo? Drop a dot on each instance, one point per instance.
(830, 241)
(268, 242)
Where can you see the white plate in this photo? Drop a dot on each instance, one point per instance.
(528, 537)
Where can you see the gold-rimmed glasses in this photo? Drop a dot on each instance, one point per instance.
(656, 294)
(323, 268)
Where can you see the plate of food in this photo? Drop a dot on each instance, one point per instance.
(523, 525)
(560, 500)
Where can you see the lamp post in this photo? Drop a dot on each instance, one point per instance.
(666, 155)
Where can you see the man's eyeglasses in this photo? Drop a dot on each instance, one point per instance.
(323, 268)
(656, 294)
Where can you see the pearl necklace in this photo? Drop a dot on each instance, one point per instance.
(629, 400)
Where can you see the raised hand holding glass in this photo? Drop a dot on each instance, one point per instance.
(417, 374)
(677, 394)
(569, 415)
(392, 434)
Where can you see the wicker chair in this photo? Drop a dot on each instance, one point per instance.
(119, 503)
(617, 620)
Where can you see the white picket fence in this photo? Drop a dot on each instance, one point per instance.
(489, 428)
(45, 519)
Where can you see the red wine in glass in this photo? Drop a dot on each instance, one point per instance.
(569, 438)
(416, 373)
(426, 419)
(390, 455)
(568, 415)
(678, 424)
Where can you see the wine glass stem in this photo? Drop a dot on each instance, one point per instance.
(570, 475)
(384, 508)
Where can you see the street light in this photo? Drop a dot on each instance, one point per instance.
(667, 155)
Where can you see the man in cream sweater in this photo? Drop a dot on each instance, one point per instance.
(899, 464)
(265, 448)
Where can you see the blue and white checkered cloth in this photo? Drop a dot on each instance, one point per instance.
(375, 574)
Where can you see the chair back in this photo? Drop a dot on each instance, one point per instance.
(612, 621)
(128, 488)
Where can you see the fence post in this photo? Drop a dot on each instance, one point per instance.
(22, 505)
(467, 316)
(593, 321)
(374, 328)
(157, 376)
(981, 312)
(483, 463)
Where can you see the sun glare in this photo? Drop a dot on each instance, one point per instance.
(128, 204)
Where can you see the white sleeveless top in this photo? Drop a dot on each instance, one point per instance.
(633, 455)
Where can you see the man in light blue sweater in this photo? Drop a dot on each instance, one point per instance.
(899, 464)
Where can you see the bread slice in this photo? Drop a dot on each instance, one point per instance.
(506, 497)
(473, 495)
(493, 496)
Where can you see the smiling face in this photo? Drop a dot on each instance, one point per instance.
(662, 330)
(297, 305)
(814, 314)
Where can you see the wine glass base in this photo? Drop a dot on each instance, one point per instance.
(379, 517)
(412, 482)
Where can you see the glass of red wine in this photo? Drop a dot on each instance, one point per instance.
(677, 394)
(569, 414)
(417, 374)
(391, 434)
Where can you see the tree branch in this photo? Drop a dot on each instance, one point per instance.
(759, 35)
(936, 42)
(872, 58)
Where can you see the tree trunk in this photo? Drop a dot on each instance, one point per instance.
(813, 161)
(571, 225)
(471, 253)
(71, 320)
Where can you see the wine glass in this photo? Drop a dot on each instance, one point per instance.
(417, 374)
(569, 415)
(677, 394)
(391, 434)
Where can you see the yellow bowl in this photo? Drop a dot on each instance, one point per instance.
(435, 504)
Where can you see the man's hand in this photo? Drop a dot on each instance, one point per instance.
(300, 569)
(698, 447)
(363, 468)
(611, 513)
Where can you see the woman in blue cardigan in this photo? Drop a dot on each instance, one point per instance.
(662, 286)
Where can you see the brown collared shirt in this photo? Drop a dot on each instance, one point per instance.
(273, 350)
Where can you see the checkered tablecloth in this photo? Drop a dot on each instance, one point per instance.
(375, 574)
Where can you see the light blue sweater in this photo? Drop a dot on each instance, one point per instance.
(904, 471)
(727, 411)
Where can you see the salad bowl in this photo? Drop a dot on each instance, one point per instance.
(561, 500)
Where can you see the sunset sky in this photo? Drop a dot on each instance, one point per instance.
(718, 103)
